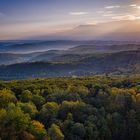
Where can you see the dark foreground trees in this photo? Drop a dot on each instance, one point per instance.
(93, 108)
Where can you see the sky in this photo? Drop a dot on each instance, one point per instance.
(25, 18)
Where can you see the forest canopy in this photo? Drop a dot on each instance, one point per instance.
(90, 108)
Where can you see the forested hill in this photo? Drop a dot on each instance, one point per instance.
(91, 108)
(126, 62)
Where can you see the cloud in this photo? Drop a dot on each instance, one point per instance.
(137, 17)
(133, 5)
(112, 6)
(125, 17)
(108, 15)
(94, 22)
(78, 13)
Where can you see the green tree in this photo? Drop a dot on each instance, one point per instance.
(14, 122)
(38, 100)
(49, 112)
(67, 125)
(26, 96)
(78, 130)
(6, 96)
(55, 132)
(29, 108)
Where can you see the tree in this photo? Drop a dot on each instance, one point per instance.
(55, 132)
(26, 96)
(38, 100)
(49, 112)
(3, 114)
(6, 96)
(38, 129)
(91, 132)
(15, 121)
(67, 125)
(29, 108)
(78, 129)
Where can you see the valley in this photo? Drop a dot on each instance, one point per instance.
(93, 58)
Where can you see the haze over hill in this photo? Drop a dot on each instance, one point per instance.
(85, 58)
(117, 63)
(59, 51)
(31, 46)
(126, 30)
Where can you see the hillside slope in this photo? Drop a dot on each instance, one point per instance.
(127, 62)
